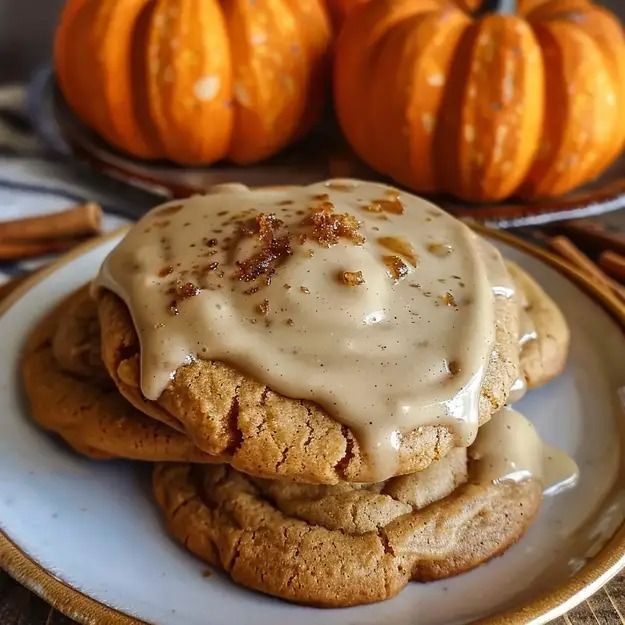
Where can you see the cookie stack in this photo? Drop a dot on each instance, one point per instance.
(322, 374)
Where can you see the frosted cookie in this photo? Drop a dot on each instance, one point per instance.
(71, 394)
(342, 331)
(545, 335)
(351, 544)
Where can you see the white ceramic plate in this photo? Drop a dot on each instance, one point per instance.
(70, 523)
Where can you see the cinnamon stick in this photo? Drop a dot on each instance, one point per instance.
(81, 220)
(613, 264)
(16, 250)
(592, 235)
(568, 250)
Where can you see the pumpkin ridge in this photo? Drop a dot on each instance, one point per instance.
(315, 28)
(191, 118)
(578, 123)
(399, 95)
(424, 170)
(116, 75)
(508, 110)
(265, 119)
(447, 135)
(138, 75)
(607, 33)
(369, 23)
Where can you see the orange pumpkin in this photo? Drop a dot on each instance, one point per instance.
(194, 81)
(483, 107)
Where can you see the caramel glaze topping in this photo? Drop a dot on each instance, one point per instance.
(371, 302)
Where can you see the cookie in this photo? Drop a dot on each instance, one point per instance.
(545, 346)
(343, 545)
(71, 394)
(262, 433)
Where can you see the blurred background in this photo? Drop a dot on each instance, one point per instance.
(26, 28)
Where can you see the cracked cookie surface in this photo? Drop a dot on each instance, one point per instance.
(265, 434)
(72, 395)
(345, 544)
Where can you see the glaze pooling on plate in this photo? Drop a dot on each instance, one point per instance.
(508, 448)
(373, 303)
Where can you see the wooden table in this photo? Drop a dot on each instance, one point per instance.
(18, 606)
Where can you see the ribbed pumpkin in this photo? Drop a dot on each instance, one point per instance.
(484, 107)
(194, 81)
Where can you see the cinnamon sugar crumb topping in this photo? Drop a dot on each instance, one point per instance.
(396, 267)
(329, 227)
(448, 299)
(400, 246)
(391, 205)
(351, 278)
(273, 252)
(263, 307)
(440, 249)
(186, 289)
(454, 367)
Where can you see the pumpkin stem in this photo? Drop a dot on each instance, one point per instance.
(498, 6)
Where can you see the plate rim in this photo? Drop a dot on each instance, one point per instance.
(85, 609)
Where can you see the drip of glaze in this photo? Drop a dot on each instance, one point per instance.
(508, 447)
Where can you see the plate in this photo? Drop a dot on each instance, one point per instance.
(324, 154)
(87, 537)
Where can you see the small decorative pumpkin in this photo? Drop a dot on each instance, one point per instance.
(194, 81)
(483, 107)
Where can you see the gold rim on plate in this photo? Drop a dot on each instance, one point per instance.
(599, 570)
